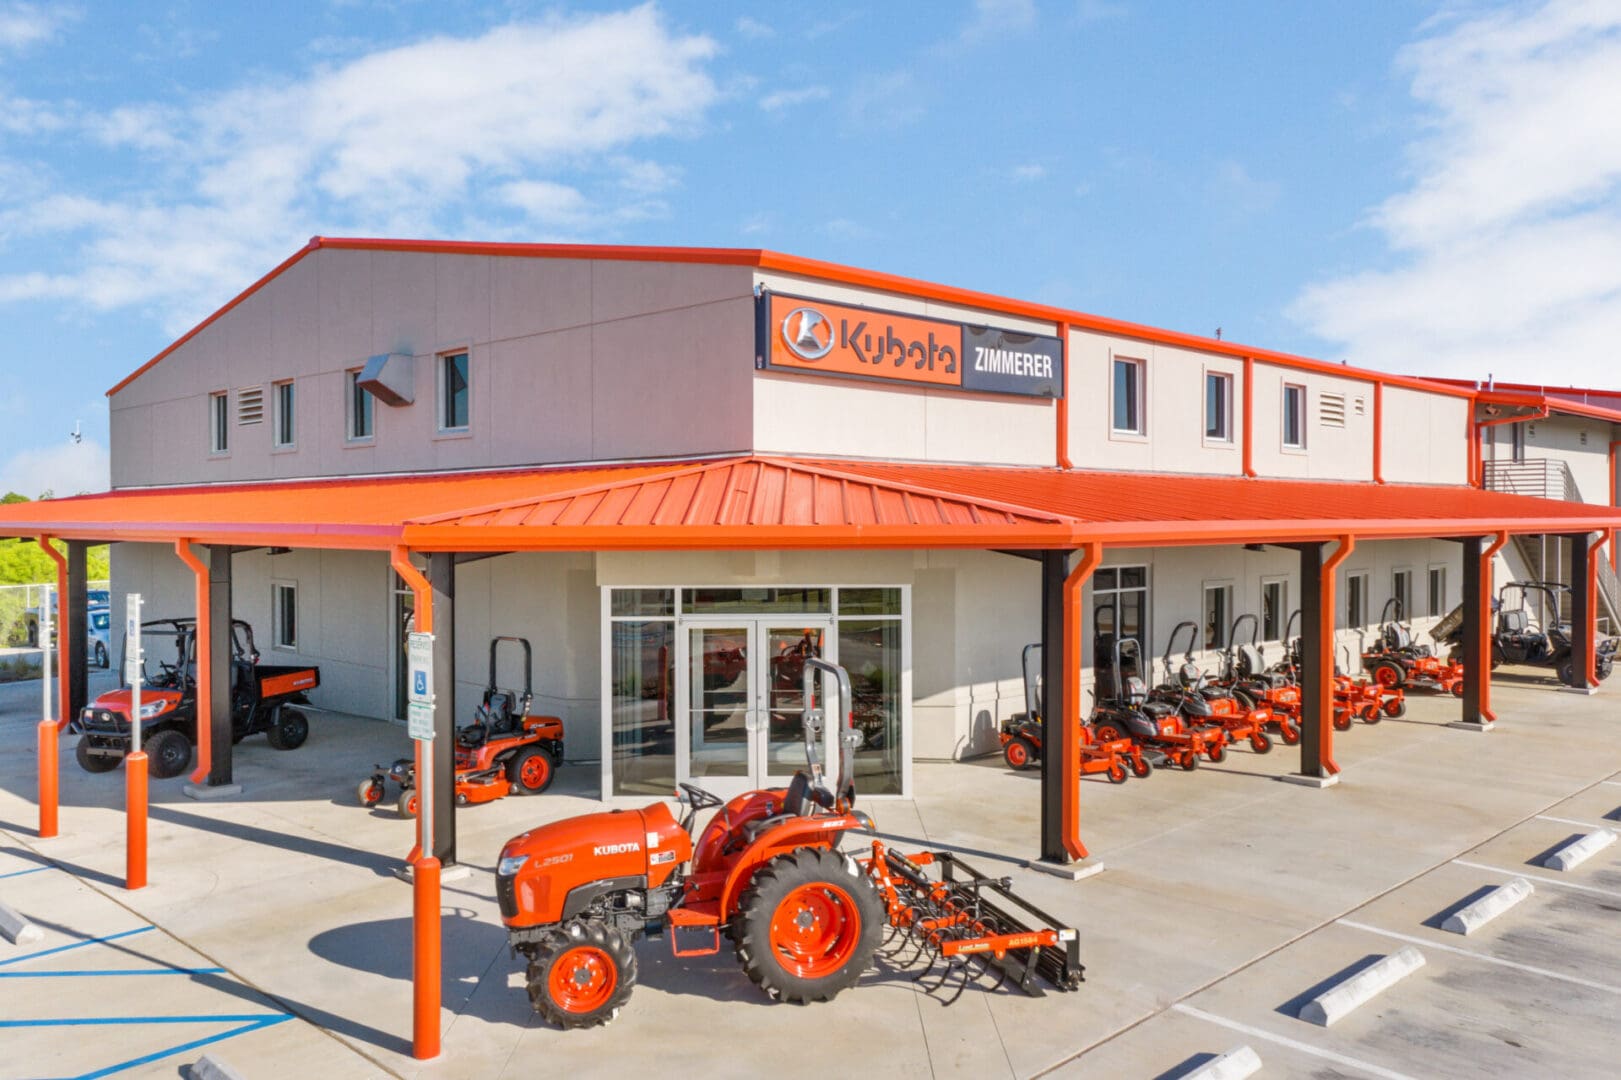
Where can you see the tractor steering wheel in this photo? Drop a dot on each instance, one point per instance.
(698, 798)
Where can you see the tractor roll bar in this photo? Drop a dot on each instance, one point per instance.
(528, 663)
(1170, 645)
(1034, 707)
(849, 738)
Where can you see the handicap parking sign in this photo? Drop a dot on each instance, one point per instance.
(419, 684)
(419, 661)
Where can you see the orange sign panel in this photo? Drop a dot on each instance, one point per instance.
(837, 340)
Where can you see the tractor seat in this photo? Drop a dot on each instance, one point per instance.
(1190, 675)
(498, 705)
(1512, 622)
(1250, 662)
(1136, 690)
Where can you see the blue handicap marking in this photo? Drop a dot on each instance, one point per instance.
(420, 685)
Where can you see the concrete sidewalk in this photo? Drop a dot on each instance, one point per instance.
(1226, 896)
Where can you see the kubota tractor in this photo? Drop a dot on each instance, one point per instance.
(803, 918)
(1022, 734)
(504, 749)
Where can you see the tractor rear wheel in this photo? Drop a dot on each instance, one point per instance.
(289, 731)
(1019, 753)
(808, 926)
(583, 976)
(93, 762)
(1109, 731)
(531, 770)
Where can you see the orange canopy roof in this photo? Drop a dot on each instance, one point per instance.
(766, 502)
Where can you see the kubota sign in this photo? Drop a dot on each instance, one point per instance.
(802, 335)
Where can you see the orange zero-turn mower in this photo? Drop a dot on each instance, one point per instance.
(804, 919)
(1021, 735)
(1203, 702)
(1246, 674)
(1121, 708)
(504, 750)
(1395, 660)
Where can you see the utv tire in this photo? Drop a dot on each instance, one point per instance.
(101, 655)
(289, 731)
(1019, 753)
(168, 753)
(93, 763)
(1567, 672)
(583, 976)
(407, 803)
(808, 926)
(370, 792)
(531, 770)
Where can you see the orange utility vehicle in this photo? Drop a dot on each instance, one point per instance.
(504, 749)
(804, 919)
(1022, 740)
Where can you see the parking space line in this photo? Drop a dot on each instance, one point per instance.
(1538, 877)
(1573, 821)
(110, 971)
(1293, 1044)
(20, 873)
(262, 1021)
(76, 945)
(103, 1021)
(1472, 954)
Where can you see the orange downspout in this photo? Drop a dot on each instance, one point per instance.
(1063, 399)
(1485, 628)
(1615, 500)
(426, 965)
(1091, 556)
(1325, 702)
(205, 667)
(1590, 648)
(50, 731)
(1378, 433)
(1249, 417)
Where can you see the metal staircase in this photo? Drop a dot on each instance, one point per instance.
(1547, 558)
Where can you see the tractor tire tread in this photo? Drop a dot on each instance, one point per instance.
(597, 935)
(750, 929)
(163, 762)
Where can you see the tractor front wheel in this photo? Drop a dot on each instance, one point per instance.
(582, 977)
(1457, 689)
(1019, 753)
(1216, 751)
(1190, 760)
(1288, 732)
(808, 926)
(1371, 713)
(1396, 708)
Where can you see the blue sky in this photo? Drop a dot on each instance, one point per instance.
(1408, 185)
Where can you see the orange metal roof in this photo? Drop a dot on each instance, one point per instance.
(813, 268)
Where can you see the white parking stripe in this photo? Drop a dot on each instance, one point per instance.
(1573, 821)
(1538, 877)
(1429, 943)
(1612, 783)
(1293, 1044)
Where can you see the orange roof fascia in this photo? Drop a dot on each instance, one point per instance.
(763, 259)
(1551, 402)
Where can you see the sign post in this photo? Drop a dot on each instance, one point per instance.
(134, 761)
(425, 973)
(48, 726)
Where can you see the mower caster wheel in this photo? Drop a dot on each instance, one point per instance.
(1342, 720)
(1396, 708)
(1190, 760)
(461, 799)
(1260, 743)
(1117, 773)
(1288, 733)
(407, 803)
(582, 976)
(1457, 689)
(1139, 767)
(94, 763)
(1019, 753)
(1216, 752)
(289, 731)
(370, 792)
(531, 770)
(808, 926)
(1372, 714)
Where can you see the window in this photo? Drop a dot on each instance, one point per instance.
(453, 392)
(1517, 432)
(1438, 590)
(1356, 599)
(284, 614)
(1218, 607)
(1401, 587)
(1274, 609)
(282, 420)
(1128, 396)
(1126, 589)
(219, 422)
(360, 408)
(1294, 416)
(1218, 407)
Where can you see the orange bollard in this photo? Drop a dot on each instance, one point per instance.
(48, 771)
(135, 820)
(425, 965)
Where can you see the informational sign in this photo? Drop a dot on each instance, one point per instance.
(838, 340)
(419, 720)
(133, 654)
(419, 685)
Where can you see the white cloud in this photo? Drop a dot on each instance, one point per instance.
(414, 140)
(1237, 194)
(65, 468)
(750, 27)
(1509, 235)
(25, 24)
(993, 18)
(1029, 173)
(787, 99)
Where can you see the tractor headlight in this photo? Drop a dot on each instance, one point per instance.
(510, 865)
(154, 708)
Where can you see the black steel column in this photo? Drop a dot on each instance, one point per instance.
(71, 636)
(442, 575)
(1312, 675)
(221, 669)
(1476, 609)
(1581, 612)
(1055, 655)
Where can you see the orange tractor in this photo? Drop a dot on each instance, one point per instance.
(1021, 735)
(504, 750)
(804, 918)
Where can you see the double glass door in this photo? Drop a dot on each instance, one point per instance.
(740, 682)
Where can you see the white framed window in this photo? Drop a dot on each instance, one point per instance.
(1218, 613)
(284, 614)
(1126, 589)
(1401, 587)
(360, 408)
(1438, 590)
(455, 392)
(1356, 599)
(1218, 407)
(1294, 416)
(219, 422)
(1517, 443)
(282, 424)
(1274, 608)
(1127, 396)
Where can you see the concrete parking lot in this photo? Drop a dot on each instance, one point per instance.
(275, 935)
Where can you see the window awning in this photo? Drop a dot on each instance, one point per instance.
(764, 502)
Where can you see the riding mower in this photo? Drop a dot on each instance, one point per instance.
(1354, 699)
(1245, 673)
(804, 919)
(1396, 660)
(1021, 734)
(1516, 642)
(1202, 703)
(504, 749)
(1121, 708)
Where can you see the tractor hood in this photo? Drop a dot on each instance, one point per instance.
(154, 703)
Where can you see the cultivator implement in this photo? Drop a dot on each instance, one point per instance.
(965, 924)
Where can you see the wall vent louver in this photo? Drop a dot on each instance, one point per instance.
(250, 405)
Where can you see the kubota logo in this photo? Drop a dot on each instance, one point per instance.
(807, 333)
(616, 849)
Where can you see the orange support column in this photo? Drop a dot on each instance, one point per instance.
(205, 667)
(1487, 589)
(50, 730)
(1091, 556)
(135, 820)
(1590, 639)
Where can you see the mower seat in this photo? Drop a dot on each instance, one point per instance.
(498, 706)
